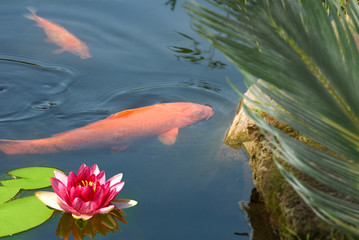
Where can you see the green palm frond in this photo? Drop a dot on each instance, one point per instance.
(310, 69)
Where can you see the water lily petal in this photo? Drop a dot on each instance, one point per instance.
(61, 176)
(106, 188)
(88, 207)
(71, 180)
(94, 169)
(104, 210)
(118, 186)
(49, 198)
(99, 197)
(65, 206)
(77, 203)
(60, 189)
(110, 196)
(123, 203)
(97, 187)
(84, 173)
(81, 169)
(74, 192)
(106, 185)
(91, 178)
(82, 216)
(87, 193)
(101, 177)
(115, 179)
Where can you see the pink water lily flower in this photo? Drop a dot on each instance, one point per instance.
(85, 194)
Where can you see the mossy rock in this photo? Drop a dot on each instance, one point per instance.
(289, 215)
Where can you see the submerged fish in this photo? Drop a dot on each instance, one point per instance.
(117, 131)
(60, 36)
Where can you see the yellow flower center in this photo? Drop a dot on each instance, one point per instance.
(84, 183)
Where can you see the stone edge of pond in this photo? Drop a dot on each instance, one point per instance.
(289, 215)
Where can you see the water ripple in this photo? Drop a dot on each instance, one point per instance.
(28, 88)
(33, 64)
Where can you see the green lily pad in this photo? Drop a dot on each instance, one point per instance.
(30, 178)
(6, 193)
(22, 214)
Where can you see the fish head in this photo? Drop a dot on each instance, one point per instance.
(201, 112)
(192, 112)
(82, 51)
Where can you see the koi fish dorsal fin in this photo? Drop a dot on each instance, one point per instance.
(121, 114)
(127, 112)
(169, 137)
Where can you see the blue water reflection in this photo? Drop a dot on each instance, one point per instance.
(189, 190)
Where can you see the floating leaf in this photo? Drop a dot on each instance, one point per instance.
(33, 172)
(6, 193)
(22, 214)
(30, 178)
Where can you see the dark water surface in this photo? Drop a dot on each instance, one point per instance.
(143, 53)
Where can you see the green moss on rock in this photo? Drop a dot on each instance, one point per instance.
(289, 214)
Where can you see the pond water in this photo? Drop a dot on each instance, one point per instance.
(143, 53)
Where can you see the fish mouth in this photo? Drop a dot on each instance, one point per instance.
(210, 111)
(209, 115)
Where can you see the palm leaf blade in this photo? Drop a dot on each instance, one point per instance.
(309, 69)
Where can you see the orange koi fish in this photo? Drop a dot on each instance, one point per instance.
(60, 36)
(117, 131)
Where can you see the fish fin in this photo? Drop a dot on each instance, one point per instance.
(122, 114)
(32, 14)
(119, 148)
(169, 137)
(57, 51)
(12, 147)
(129, 112)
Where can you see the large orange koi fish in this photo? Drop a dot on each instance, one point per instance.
(117, 131)
(60, 36)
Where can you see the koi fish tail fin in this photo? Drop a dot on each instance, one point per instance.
(11, 147)
(32, 15)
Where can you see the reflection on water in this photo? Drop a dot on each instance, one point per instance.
(98, 224)
(191, 83)
(259, 218)
(241, 234)
(172, 3)
(44, 105)
(202, 84)
(196, 55)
